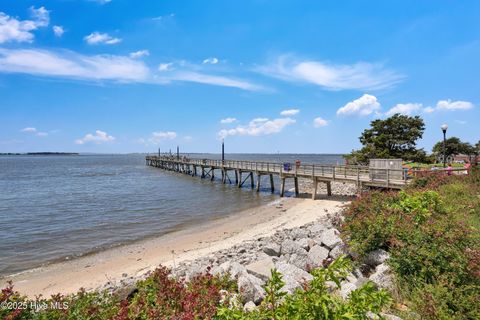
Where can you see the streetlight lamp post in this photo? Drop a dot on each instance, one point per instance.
(444, 130)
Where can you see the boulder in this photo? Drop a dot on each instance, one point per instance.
(298, 233)
(317, 229)
(304, 243)
(316, 255)
(346, 288)
(249, 306)
(250, 288)
(382, 277)
(261, 268)
(376, 257)
(235, 269)
(290, 247)
(293, 276)
(299, 260)
(338, 251)
(330, 238)
(272, 249)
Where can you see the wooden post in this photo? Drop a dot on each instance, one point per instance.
(271, 183)
(258, 181)
(329, 188)
(315, 186)
(236, 177)
(282, 187)
(252, 183)
(388, 178)
(213, 174)
(295, 179)
(203, 172)
(239, 178)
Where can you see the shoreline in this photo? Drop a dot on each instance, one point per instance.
(117, 266)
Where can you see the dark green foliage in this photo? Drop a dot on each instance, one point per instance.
(454, 146)
(431, 231)
(394, 137)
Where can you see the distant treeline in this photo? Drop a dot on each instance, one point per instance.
(41, 154)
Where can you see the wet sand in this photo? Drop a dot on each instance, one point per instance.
(133, 261)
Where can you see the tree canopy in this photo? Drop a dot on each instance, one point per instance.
(394, 137)
(454, 146)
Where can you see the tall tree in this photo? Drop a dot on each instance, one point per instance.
(453, 146)
(394, 137)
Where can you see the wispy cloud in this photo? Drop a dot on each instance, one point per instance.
(290, 112)
(319, 122)
(228, 120)
(101, 38)
(98, 137)
(363, 106)
(33, 130)
(58, 31)
(405, 108)
(358, 76)
(139, 54)
(12, 29)
(67, 64)
(258, 127)
(454, 105)
(160, 136)
(212, 60)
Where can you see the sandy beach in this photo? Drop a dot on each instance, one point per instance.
(135, 260)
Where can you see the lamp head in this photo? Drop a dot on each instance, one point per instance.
(444, 127)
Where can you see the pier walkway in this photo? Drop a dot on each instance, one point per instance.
(241, 172)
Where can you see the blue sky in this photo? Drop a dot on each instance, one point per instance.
(266, 76)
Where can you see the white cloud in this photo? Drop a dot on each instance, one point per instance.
(58, 31)
(210, 61)
(98, 137)
(29, 129)
(405, 108)
(12, 29)
(363, 106)
(319, 122)
(461, 122)
(68, 64)
(428, 110)
(289, 112)
(99, 38)
(160, 136)
(34, 131)
(139, 54)
(359, 76)
(165, 66)
(258, 127)
(228, 120)
(454, 105)
(192, 76)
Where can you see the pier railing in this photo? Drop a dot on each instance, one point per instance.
(382, 177)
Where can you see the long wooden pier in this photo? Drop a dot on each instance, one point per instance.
(241, 172)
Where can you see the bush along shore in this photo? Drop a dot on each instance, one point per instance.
(413, 254)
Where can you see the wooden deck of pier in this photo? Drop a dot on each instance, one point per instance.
(241, 172)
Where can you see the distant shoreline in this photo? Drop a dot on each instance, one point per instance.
(41, 154)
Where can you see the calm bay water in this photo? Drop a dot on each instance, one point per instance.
(54, 207)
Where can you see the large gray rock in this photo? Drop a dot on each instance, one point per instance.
(250, 288)
(316, 255)
(382, 276)
(293, 276)
(298, 233)
(317, 229)
(272, 249)
(338, 251)
(304, 243)
(376, 257)
(290, 247)
(235, 269)
(299, 260)
(330, 238)
(346, 288)
(261, 268)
